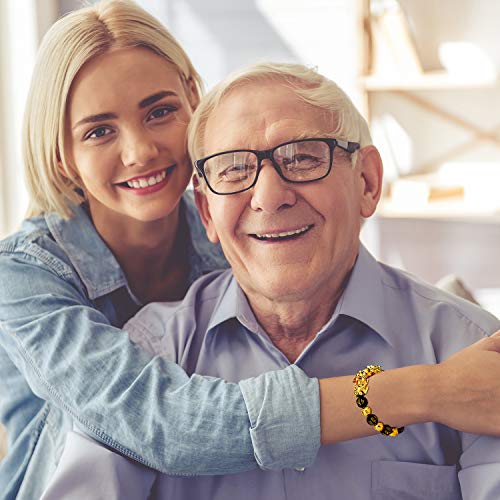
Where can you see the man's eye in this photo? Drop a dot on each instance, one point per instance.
(302, 161)
(300, 158)
(235, 172)
(99, 132)
(162, 112)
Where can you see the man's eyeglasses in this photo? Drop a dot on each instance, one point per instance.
(306, 160)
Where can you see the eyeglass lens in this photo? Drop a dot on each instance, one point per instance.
(298, 161)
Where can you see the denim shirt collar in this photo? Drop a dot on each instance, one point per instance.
(93, 260)
(363, 300)
(97, 266)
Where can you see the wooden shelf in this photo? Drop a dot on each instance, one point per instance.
(437, 80)
(452, 210)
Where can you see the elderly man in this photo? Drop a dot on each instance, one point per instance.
(287, 175)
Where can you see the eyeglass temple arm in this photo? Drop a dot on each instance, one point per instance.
(350, 147)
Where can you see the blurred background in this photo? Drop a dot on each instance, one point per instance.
(424, 73)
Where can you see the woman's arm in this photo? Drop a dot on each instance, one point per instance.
(146, 407)
(462, 392)
(149, 410)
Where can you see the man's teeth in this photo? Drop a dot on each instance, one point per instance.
(147, 181)
(285, 234)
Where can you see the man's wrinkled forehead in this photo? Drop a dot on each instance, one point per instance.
(260, 115)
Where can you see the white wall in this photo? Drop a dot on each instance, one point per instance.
(19, 33)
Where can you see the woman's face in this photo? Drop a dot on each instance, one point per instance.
(127, 118)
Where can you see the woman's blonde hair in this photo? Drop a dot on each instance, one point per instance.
(71, 42)
(306, 83)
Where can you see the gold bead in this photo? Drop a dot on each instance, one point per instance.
(394, 432)
(379, 426)
(366, 411)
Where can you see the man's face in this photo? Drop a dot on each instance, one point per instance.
(255, 227)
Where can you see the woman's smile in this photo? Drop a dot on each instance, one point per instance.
(149, 183)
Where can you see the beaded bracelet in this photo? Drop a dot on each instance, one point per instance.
(360, 391)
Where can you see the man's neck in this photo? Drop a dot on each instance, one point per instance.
(292, 325)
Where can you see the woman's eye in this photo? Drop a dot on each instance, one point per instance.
(162, 112)
(99, 132)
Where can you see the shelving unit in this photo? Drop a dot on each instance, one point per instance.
(450, 235)
(435, 80)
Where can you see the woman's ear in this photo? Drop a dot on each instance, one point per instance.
(72, 175)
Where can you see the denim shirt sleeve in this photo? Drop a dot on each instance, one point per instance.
(146, 407)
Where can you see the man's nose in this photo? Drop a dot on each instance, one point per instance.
(138, 147)
(271, 193)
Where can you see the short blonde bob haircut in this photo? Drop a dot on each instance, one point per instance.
(310, 86)
(71, 42)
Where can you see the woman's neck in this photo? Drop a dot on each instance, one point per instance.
(151, 254)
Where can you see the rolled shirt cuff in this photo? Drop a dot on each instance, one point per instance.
(284, 411)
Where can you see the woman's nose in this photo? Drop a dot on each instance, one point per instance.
(138, 148)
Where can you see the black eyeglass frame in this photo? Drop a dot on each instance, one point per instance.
(349, 147)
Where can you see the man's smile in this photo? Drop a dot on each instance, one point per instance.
(282, 235)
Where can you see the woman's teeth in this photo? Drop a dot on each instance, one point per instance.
(147, 181)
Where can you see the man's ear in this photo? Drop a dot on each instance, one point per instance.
(371, 174)
(192, 93)
(204, 210)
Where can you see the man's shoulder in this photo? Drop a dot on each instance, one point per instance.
(440, 307)
(160, 324)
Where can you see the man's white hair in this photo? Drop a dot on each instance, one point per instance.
(309, 85)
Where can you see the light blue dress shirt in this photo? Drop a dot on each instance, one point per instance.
(384, 317)
(64, 360)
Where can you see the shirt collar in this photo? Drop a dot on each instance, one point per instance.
(97, 266)
(363, 300)
(232, 304)
(93, 260)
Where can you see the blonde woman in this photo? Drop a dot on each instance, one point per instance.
(109, 230)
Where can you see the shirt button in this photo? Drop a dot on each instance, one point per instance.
(300, 469)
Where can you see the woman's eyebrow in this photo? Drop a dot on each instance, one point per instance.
(144, 103)
(95, 118)
(147, 101)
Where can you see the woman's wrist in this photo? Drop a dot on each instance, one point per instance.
(406, 396)
(402, 396)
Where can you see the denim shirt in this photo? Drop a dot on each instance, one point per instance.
(65, 361)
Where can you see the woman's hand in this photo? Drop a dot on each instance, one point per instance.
(462, 392)
(466, 390)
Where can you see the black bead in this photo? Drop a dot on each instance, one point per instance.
(386, 430)
(362, 402)
(401, 429)
(372, 419)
